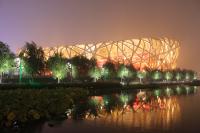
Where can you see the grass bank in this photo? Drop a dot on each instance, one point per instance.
(24, 106)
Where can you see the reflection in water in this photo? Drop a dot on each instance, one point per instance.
(159, 111)
(169, 110)
(144, 109)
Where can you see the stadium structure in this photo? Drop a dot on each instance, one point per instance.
(153, 53)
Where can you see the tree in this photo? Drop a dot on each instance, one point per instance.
(126, 71)
(95, 73)
(33, 57)
(156, 74)
(122, 72)
(57, 64)
(141, 75)
(132, 71)
(108, 71)
(168, 75)
(82, 65)
(6, 59)
(189, 74)
(178, 74)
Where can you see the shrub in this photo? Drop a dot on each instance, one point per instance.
(27, 105)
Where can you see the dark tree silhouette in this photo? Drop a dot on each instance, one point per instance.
(83, 65)
(33, 57)
(109, 70)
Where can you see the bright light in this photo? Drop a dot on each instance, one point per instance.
(157, 75)
(178, 76)
(168, 75)
(160, 53)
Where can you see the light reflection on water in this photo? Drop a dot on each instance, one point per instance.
(156, 111)
(159, 109)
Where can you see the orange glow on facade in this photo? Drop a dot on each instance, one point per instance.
(159, 53)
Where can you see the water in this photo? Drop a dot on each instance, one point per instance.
(174, 109)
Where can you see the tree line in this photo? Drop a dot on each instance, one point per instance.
(33, 64)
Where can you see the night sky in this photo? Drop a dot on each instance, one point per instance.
(56, 22)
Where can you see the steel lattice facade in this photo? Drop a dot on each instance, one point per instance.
(159, 53)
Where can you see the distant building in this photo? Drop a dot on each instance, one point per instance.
(160, 53)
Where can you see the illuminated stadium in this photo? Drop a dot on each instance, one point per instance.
(159, 53)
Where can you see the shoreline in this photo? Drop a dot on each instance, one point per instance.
(96, 85)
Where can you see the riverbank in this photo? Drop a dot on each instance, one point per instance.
(97, 85)
(22, 107)
(25, 106)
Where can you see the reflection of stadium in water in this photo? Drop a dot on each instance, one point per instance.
(146, 109)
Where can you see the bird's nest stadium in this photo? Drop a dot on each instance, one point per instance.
(153, 53)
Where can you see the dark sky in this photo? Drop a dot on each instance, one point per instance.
(55, 22)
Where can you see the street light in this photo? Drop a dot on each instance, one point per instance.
(69, 65)
(19, 67)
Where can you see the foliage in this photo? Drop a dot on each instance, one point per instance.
(126, 71)
(33, 63)
(26, 69)
(26, 105)
(108, 70)
(57, 64)
(168, 75)
(156, 75)
(6, 63)
(178, 75)
(4, 49)
(95, 73)
(123, 71)
(141, 74)
(6, 58)
(74, 71)
(189, 74)
(132, 70)
(33, 57)
(82, 65)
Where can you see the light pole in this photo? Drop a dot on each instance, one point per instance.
(20, 68)
(70, 68)
(20, 71)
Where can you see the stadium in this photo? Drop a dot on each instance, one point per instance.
(153, 53)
